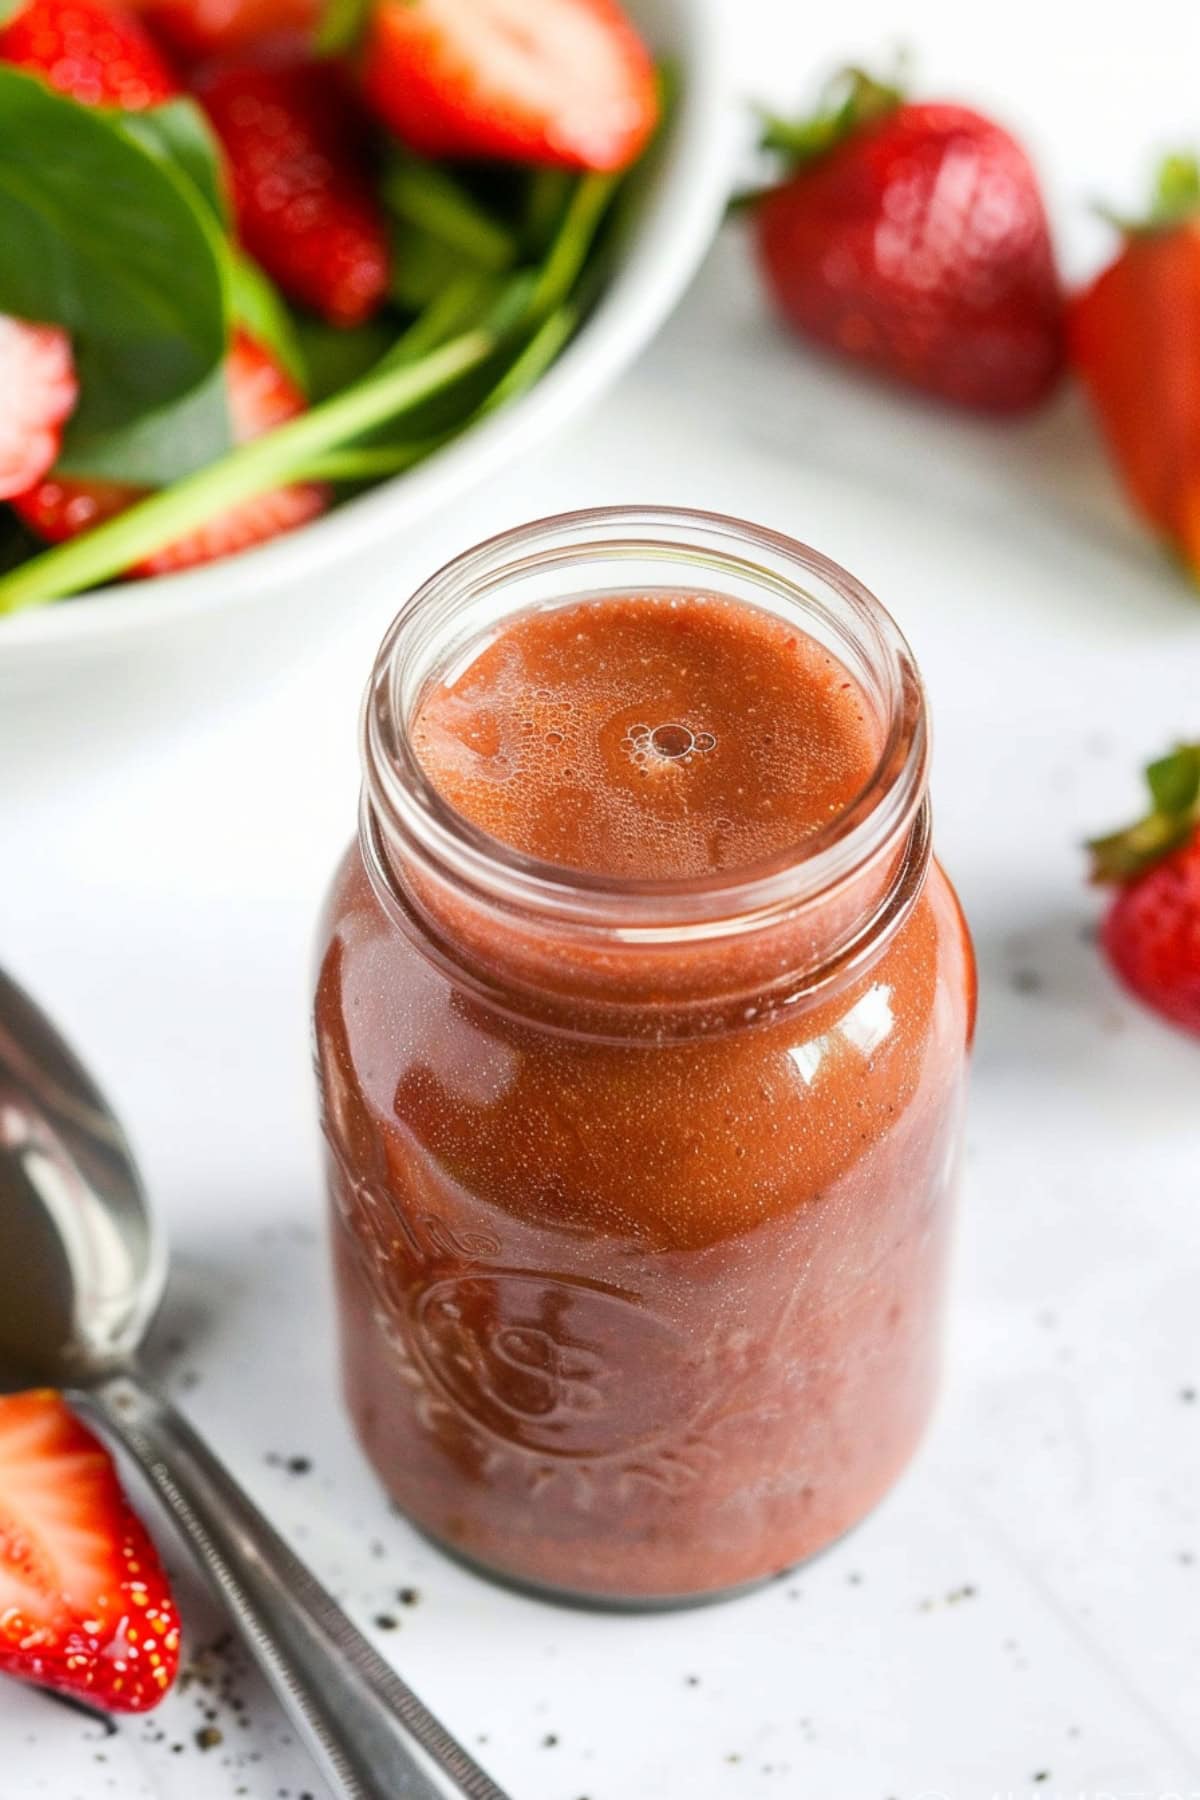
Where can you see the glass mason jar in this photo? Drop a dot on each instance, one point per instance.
(641, 1191)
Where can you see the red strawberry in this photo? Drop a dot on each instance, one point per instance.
(1152, 932)
(37, 379)
(911, 238)
(1135, 339)
(300, 162)
(260, 396)
(99, 54)
(84, 1604)
(566, 82)
(197, 28)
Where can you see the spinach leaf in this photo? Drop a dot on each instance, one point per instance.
(258, 305)
(334, 357)
(160, 446)
(102, 236)
(178, 132)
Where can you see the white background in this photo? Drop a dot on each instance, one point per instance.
(1023, 1615)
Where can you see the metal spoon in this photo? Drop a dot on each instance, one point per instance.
(82, 1271)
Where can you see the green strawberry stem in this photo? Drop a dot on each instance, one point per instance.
(1174, 198)
(852, 99)
(254, 468)
(1174, 783)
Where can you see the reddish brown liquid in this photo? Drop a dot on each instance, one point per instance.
(640, 1319)
(648, 736)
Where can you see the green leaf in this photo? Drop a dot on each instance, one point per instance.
(1174, 781)
(335, 358)
(109, 239)
(573, 243)
(9, 10)
(259, 306)
(178, 132)
(545, 203)
(161, 446)
(421, 265)
(422, 194)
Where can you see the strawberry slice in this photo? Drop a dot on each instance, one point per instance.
(563, 82)
(84, 1604)
(201, 28)
(37, 379)
(100, 55)
(300, 163)
(260, 397)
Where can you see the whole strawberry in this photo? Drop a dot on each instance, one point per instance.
(1151, 934)
(911, 237)
(99, 54)
(299, 161)
(1135, 340)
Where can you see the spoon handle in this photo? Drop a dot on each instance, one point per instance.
(354, 1710)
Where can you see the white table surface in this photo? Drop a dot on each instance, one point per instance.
(1022, 1616)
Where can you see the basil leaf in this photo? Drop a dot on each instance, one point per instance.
(161, 446)
(178, 132)
(258, 305)
(101, 236)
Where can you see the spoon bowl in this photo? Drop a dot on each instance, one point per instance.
(83, 1264)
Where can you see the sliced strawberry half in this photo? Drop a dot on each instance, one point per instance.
(300, 163)
(37, 380)
(200, 28)
(84, 1604)
(260, 397)
(99, 54)
(564, 82)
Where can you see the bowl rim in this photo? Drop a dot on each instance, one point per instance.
(683, 208)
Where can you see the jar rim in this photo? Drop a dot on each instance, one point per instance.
(650, 910)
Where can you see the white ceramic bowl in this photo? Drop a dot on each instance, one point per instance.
(115, 660)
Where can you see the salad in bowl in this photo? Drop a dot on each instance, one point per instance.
(258, 257)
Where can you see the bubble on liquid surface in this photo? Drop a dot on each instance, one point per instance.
(665, 743)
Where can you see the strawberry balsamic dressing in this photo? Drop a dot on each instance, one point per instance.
(640, 1236)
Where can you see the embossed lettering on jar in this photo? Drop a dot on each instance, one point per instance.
(642, 1025)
